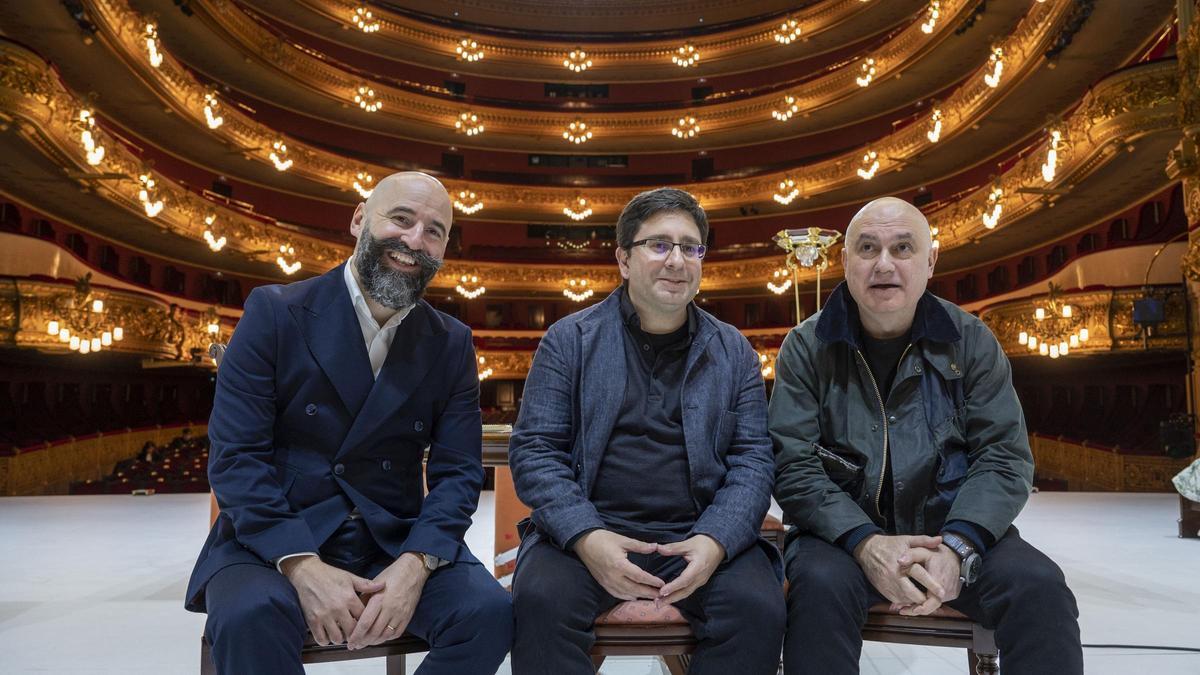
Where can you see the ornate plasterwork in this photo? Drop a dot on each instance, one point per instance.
(435, 116)
(1108, 316)
(433, 45)
(306, 69)
(1133, 102)
(154, 329)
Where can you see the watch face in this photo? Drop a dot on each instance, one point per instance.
(971, 567)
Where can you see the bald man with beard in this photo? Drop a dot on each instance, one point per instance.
(329, 394)
(902, 458)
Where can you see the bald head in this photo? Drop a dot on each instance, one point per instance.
(891, 211)
(888, 259)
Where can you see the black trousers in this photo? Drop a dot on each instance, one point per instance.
(1020, 593)
(738, 616)
(255, 624)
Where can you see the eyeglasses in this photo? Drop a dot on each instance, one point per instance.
(660, 249)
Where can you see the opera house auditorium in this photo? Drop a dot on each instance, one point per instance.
(657, 299)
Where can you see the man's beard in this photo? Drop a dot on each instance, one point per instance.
(390, 287)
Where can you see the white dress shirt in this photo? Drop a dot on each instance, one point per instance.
(378, 340)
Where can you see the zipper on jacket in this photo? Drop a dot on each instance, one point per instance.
(883, 415)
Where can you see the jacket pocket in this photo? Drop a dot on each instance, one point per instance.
(726, 425)
(845, 473)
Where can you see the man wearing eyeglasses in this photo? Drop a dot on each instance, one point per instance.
(643, 452)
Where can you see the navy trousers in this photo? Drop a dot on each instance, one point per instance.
(738, 616)
(255, 624)
(1020, 593)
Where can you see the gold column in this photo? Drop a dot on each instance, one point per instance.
(1183, 164)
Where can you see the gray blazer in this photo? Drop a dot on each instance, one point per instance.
(572, 397)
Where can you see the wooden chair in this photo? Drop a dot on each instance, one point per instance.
(638, 628)
(944, 628)
(1189, 518)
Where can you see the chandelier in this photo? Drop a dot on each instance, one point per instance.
(210, 325)
(364, 184)
(87, 125)
(687, 127)
(214, 242)
(996, 66)
(151, 35)
(289, 268)
(808, 248)
(577, 290)
(78, 319)
(468, 123)
(766, 367)
(364, 20)
(787, 32)
(1057, 327)
(935, 126)
(686, 56)
(279, 156)
(577, 132)
(484, 370)
(868, 72)
(577, 60)
(932, 12)
(148, 196)
(869, 165)
(1050, 167)
(467, 202)
(780, 281)
(365, 98)
(468, 50)
(790, 107)
(787, 191)
(211, 107)
(578, 209)
(469, 286)
(991, 213)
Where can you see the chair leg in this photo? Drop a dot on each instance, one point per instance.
(982, 664)
(207, 667)
(597, 661)
(395, 664)
(677, 664)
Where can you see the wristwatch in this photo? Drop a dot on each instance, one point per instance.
(971, 560)
(431, 562)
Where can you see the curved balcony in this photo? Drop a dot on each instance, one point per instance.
(736, 46)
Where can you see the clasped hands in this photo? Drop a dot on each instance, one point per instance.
(893, 563)
(341, 607)
(606, 555)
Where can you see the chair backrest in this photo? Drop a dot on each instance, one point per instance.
(216, 351)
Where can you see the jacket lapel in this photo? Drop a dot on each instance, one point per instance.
(416, 346)
(601, 382)
(330, 329)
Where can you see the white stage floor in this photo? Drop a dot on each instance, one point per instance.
(95, 585)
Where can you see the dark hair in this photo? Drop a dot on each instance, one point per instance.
(651, 202)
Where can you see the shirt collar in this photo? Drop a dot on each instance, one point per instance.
(839, 320)
(360, 302)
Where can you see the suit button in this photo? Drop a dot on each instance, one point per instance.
(418, 425)
(339, 469)
(899, 486)
(892, 419)
(310, 409)
(579, 468)
(387, 465)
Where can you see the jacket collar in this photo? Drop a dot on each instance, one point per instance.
(839, 320)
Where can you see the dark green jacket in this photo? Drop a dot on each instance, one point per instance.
(951, 426)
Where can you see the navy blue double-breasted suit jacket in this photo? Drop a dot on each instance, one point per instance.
(301, 432)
